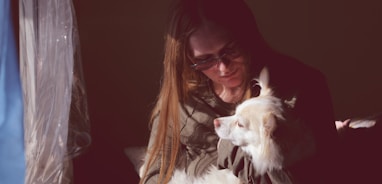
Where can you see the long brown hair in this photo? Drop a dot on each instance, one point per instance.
(178, 78)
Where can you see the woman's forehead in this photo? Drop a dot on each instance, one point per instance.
(208, 39)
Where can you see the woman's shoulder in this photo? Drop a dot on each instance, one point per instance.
(291, 68)
(288, 75)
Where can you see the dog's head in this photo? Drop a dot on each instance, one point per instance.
(254, 119)
(253, 122)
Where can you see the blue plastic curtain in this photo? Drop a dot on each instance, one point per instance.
(12, 158)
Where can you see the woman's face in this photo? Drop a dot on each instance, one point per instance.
(216, 55)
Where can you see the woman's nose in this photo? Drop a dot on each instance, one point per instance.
(223, 64)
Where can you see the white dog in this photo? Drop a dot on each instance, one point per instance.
(251, 128)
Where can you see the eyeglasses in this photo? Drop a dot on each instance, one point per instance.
(228, 55)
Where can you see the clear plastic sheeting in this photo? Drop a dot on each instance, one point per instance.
(56, 119)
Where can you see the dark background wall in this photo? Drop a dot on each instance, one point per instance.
(121, 44)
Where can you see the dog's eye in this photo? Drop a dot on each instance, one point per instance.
(239, 124)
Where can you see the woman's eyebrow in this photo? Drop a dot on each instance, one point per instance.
(203, 57)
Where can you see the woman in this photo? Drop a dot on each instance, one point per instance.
(213, 50)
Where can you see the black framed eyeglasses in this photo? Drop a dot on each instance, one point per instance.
(227, 56)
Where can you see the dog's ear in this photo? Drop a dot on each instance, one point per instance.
(269, 124)
(263, 82)
(264, 77)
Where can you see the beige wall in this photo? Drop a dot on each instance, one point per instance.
(122, 50)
